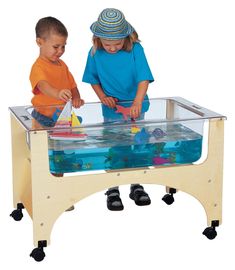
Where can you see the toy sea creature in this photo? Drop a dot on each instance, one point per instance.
(58, 158)
(108, 158)
(124, 110)
(142, 137)
(135, 129)
(159, 147)
(158, 133)
(87, 166)
(173, 157)
(160, 161)
(78, 164)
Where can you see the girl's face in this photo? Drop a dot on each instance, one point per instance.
(52, 47)
(112, 46)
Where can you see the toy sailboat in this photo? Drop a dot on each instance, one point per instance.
(66, 121)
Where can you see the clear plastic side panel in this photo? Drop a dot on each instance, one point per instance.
(95, 137)
(127, 146)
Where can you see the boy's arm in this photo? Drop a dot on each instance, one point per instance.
(108, 101)
(76, 99)
(47, 89)
(136, 106)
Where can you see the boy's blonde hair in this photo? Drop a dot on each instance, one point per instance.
(127, 46)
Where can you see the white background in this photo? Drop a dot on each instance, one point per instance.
(190, 47)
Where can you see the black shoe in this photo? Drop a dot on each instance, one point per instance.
(139, 195)
(114, 202)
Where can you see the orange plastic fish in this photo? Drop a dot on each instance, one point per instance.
(124, 110)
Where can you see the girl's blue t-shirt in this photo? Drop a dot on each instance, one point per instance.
(118, 74)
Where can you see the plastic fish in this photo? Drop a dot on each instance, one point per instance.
(160, 160)
(172, 157)
(124, 110)
(159, 147)
(87, 166)
(108, 159)
(58, 158)
(135, 129)
(78, 164)
(158, 133)
(142, 137)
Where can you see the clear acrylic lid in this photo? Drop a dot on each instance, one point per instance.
(159, 110)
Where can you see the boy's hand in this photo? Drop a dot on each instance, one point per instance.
(135, 110)
(77, 102)
(65, 95)
(109, 101)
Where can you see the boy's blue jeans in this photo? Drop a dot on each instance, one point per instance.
(42, 119)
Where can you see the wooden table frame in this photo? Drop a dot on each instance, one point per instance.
(46, 197)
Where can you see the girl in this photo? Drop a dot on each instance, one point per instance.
(117, 70)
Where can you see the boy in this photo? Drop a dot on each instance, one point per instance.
(52, 83)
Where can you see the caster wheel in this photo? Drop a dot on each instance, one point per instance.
(210, 233)
(168, 199)
(38, 254)
(17, 214)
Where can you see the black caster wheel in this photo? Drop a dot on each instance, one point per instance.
(210, 233)
(17, 214)
(38, 254)
(168, 199)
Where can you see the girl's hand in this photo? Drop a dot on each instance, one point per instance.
(65, 95)
(135, 110)
(109, 101)
(77, 102)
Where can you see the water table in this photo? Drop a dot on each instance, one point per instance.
(167, 145)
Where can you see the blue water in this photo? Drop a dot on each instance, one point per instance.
(107, 149)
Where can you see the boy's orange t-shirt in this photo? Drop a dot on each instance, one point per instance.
(57, 76)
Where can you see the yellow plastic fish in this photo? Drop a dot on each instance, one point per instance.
(135, 129)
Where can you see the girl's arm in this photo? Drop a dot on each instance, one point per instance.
(135, 109)
(108, 101)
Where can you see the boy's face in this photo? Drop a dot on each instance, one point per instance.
(112, 46)
(52, 47)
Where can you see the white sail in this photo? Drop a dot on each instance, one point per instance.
(68, 119)
(64, 119)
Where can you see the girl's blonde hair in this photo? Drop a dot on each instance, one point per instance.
(127, 46)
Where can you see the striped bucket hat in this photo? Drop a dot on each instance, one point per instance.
(112, 25)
